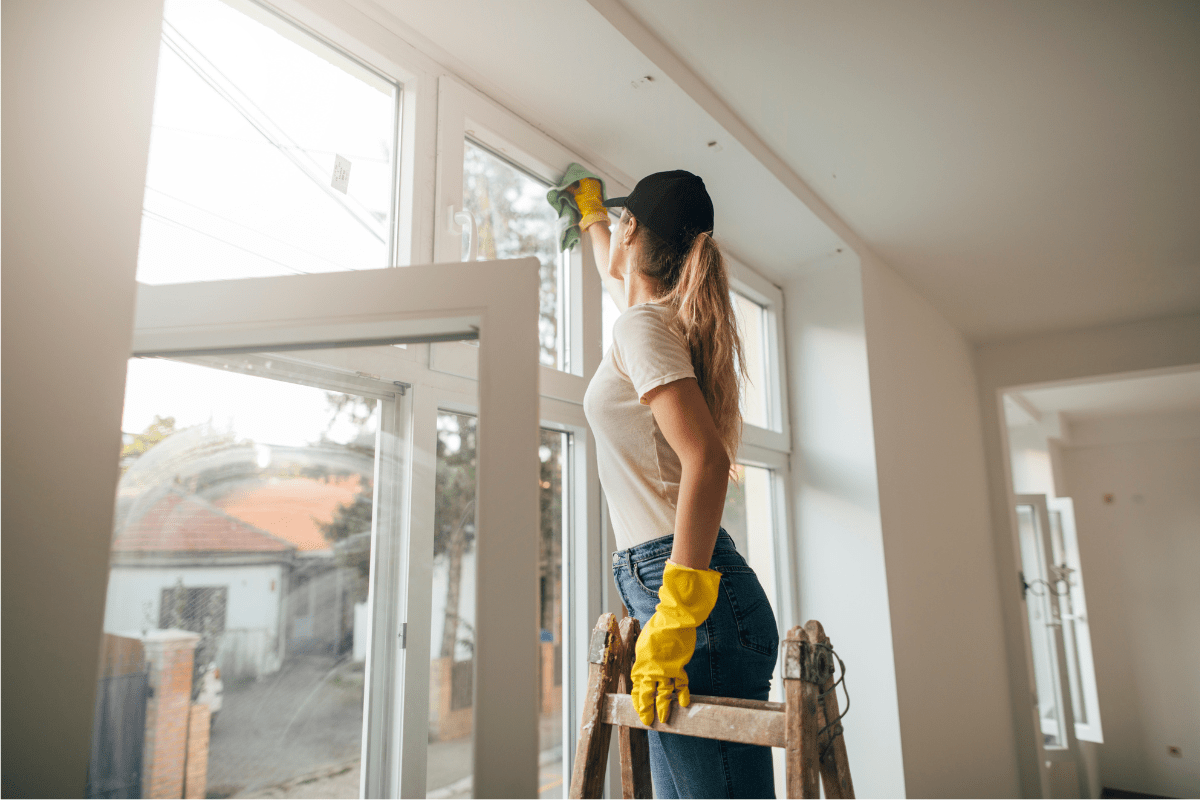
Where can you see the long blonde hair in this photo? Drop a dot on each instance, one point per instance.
(696, 288)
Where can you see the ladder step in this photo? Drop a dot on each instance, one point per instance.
(731, 719)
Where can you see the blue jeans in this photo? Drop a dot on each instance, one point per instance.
(735, 656)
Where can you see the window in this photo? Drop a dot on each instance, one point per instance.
(271, 152)
(452, 644)
(239, 573)
(449, 770)
(751, 518)
(1077, 639)
(240, 185)
(761, 400)
(513, 219)
(752, 326)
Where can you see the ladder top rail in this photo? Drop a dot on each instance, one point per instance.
(747, 721)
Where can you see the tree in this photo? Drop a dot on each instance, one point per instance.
(138, 444)
(515, 220)
(454, 514)
(351, 528)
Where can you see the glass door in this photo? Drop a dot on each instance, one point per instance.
(1043, 585)
(254, 545)
(273, 557)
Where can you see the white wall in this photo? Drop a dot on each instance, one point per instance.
(946, 623)
(1029, 452)
(251, 643)
(78, 87)
(840, 567)
(1094, 352)
(1140, 556)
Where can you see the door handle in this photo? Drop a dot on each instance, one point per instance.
(464, 218)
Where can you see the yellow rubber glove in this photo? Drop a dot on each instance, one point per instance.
(590, 203)
(667, 643)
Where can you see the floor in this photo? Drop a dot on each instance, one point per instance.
(298, 734)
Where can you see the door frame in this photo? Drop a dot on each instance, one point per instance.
(1071, 752)
(496, 302)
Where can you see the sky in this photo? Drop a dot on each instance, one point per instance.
(268, 411)
(224, 201)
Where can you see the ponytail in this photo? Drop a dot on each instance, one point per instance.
(696, 288)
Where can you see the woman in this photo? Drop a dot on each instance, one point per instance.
(663, 406)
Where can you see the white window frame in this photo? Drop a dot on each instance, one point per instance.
(463, 114)
(748, 283)
(1092, 730)
(497, 301)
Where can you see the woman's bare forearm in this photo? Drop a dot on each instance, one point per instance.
(600, 235)
(702, 487)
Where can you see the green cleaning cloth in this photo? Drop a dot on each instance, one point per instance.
(563, 202)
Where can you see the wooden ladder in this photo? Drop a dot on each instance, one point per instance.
(797, 725)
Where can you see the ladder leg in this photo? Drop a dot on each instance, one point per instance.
(634, 743)
(591, 754)
(803, 777)
(835, 766)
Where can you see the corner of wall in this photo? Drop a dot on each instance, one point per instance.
(835, 507)
(947, 626)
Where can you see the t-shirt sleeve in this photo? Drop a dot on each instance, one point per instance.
(648, 351)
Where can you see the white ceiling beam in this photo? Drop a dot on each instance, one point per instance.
(646, 41)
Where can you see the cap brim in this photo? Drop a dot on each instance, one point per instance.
(615, 202)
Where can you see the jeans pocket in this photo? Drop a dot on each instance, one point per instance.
(648, 575)
(752, 613)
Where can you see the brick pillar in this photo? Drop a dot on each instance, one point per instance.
(196, 781)
(170, 653)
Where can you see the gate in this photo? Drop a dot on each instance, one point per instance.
(118, 733)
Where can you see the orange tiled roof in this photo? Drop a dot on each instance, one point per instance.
(181, 523)
(290, 508)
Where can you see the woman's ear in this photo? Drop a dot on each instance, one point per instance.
(629, 232)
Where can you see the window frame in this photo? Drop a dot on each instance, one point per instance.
(753, 286)
(464, 114)
(438, 111)
(1092, 730)
(369, 307)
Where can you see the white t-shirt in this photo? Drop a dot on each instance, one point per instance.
(639, 471)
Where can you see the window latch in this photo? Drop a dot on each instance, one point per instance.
(465, 218)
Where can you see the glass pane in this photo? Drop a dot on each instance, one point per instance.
(235, 624)
(554, 510)
(1065, 588)
(449, 772)
(752, 324)
(515, 220)
(252, 119)
(1041, 627)
(452, 651)
(749, 519)
(608, 317)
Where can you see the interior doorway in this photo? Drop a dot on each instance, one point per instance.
(1104, 481)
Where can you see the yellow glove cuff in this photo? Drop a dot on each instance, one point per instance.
(687, 595)
(592, 219)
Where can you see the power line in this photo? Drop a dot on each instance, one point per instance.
(260, 121)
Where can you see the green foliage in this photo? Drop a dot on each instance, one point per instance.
(350, 533)
(155, 432)
(515, 220)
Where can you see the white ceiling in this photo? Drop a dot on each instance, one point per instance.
(1027, 166)
(1119, 397)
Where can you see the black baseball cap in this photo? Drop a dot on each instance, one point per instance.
(673, 204)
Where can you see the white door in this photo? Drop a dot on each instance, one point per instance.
(337, 333)
(1044, 582)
